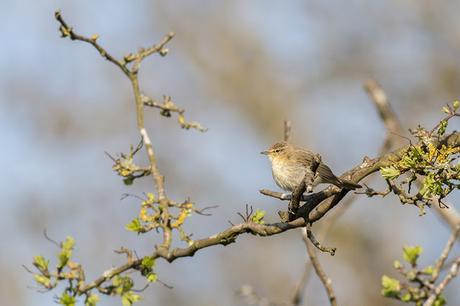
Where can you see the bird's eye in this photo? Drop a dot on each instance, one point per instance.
(277, 150)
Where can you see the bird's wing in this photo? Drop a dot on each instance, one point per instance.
(304, 157)
(326, 175)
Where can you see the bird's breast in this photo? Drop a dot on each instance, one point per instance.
(287, 175)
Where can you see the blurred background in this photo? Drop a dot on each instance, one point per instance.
(240, 68)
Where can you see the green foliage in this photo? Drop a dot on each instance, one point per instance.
(134, 226)
(411, 254)
(428, 159)
(148, 262)
(129, 298)
(152, 277)
(456, 105)
(146, 269)
(92, 300)
(122, 284)
(258, 216)
(390, 286)
(66, 252)
(389, 173)
(440, 301)
(41, 264)
(428, 270)
(406, 297)
(418, 284)
(67, 300)
(43, 280)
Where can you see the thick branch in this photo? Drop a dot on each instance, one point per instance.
(317, 205)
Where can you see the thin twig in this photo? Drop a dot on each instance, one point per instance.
(445, 253)
(317, 244)
(327, 283)
(287, 130)
(453, 271)
(45, 233)
(302, 284)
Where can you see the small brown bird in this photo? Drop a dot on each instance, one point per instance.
(290, 165)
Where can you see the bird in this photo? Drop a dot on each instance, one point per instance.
(291, 165)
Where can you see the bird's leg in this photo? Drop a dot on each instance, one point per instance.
(313, 179)
(309, 179)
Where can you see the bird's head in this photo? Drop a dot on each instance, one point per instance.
(277, 150)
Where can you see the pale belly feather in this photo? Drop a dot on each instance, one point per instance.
(287, 177)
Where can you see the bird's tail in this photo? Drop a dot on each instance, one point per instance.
(349, 185)
(326, 176)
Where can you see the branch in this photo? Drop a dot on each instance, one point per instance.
(327, 283)
(319, 203)
(300, 288)
(287, 130)
(168, 107)
(393, 126)
(445, 253)
(453, 271)
(68, 31)
(317, 244)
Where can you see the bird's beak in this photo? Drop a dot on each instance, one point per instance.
(264, 152)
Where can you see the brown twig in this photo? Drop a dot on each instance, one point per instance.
(287, 130)
(325, 280)
(302, 284)
(453, 271)
(317, 244)
(132, 75)
(386, 113)
(445, 253)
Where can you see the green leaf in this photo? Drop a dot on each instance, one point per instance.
(152, 277)
(123, 284)
(128, 181)
(456, 104)
(397, 264)
(129, 298)
(258, 216)
(406, 297)
(92, 300)
(67, 300)
(446, 110)
(411, 254)
(440, 301)
(134, 226)
(390, 286)
(389, 173)
(442, 127)
(43, 280)
(66, 251)
(150, 197)
(41, 263)
(428, 270)
(148, 262)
